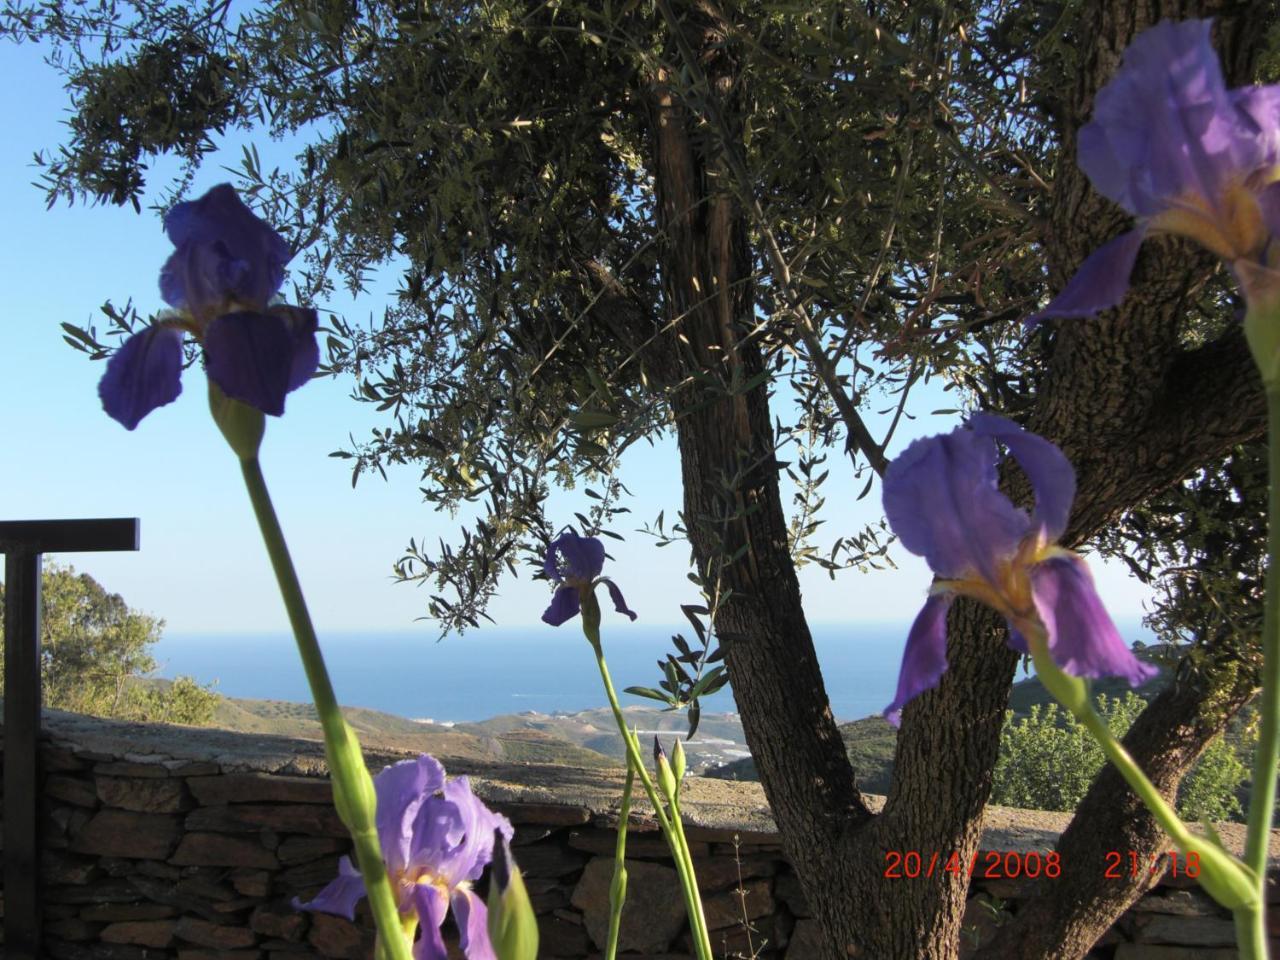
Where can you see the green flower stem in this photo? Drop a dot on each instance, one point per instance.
(353, 791)
(688, 881)
(678, 823)
(1262, 799)
(1224, 877)
(1251, 934)
(618, 889)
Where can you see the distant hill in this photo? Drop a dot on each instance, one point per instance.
(588, 738)
(391, 732)
(719, 738)
(870, 741)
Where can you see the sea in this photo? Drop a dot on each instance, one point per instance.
(491, 672)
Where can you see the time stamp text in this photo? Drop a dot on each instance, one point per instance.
(1031, 865)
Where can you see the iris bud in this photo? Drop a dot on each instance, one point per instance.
(666, 779)
(513, 928)
(678, 761)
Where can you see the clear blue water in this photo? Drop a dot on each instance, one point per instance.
(492, 672)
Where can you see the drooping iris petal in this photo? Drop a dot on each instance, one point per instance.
(564, 606)
(340, 896)
(301, 324)
(402, 788)
(1053, 479)
(571, 558)
(942, 500)
(143, 374)
(1101, 282)
(925, 659)
(224, 252)
(251, 356)
(1016, 641)
(1083, 640)
(472, 918)
(619, 603)
(432, 903)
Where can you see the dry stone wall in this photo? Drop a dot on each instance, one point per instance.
(181, 844)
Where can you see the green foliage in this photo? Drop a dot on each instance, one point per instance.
(506, 152)
(1209, 791)
(94, 650)
(1048, 760)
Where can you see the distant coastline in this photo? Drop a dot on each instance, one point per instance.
(495, 672)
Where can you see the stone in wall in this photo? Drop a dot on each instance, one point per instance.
(121, 833)
(654, 912)
(143, 795)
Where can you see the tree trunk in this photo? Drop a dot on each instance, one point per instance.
(1134, 411)
(1062, 918)
(732, 504)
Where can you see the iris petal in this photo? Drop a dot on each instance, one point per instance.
(224, 251)
(619, 603)
(925, 659)
(145, 373)
(572, 558)
(1052, 477)
(472, 918)
(432, 903)
(340, 896)
(472, 849)
(1101, 282)
(1166, 126)
(1261, 106)
(1083, 640)
(301, 323)
(401, 790)
(564, 606)
(250, 356)
(942, 500)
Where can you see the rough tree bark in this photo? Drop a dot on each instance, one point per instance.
(1128, 436)
(1132, 408)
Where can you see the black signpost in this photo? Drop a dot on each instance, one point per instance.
(23, 542)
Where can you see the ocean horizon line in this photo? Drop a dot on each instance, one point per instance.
(494, 672)
(550, 632)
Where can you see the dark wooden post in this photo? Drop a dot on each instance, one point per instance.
(23, 543)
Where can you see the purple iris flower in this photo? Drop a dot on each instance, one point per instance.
(575, 563)
(227, 266)
(437, 837)
(1173, 146)
(942, 499)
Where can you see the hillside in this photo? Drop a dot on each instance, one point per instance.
(719, 739)
(870, 741)
(284, 718)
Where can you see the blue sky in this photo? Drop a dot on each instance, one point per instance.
(202, 567)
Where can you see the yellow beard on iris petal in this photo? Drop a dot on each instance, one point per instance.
(1232, 228)
(1010, 594)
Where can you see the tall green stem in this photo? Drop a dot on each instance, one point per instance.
(677, 821)
(618, 889)
(352, 786)
(1262, 799)
(1223, 877)
(679, 853)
